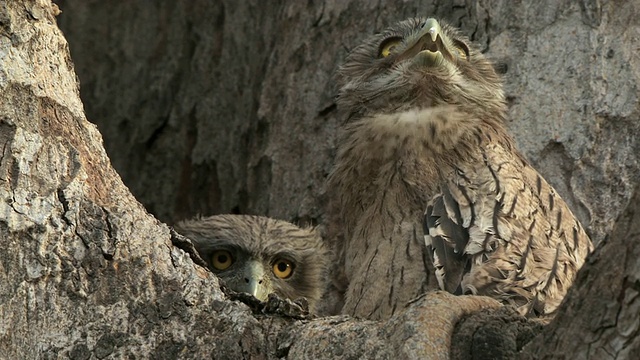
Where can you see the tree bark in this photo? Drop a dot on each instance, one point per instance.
(210, 107)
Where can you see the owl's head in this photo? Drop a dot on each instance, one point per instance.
(260, 255)
(418, 63)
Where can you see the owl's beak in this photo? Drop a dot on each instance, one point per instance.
(433, 29)
(428, 48)
(254, 280)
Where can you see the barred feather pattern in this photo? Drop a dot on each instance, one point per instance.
(385, 173)
(497, 228)
(384, 177)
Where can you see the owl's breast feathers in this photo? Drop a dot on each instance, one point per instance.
(495, 226)
(388, 159)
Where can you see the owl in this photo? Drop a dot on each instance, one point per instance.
(259, 255)
(423, 127)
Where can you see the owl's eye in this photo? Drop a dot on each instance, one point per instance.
(283, 268)
(221, 259)
(389, 46)
(463, 50)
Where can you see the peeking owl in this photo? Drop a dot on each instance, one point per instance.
(423, 127)
(259, 255)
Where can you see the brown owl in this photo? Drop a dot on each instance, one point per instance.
(260, 255)
(424, 116)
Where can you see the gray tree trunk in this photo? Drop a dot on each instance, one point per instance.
(210, 107)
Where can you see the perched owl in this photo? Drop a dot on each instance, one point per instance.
(260, 255)
(423, 128)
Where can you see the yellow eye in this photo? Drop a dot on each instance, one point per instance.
(462, 49)
(283, 268)
(461, 53)
(389, 46)
(221, 260)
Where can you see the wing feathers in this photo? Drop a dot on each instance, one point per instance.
(499, 229)
(448, 240)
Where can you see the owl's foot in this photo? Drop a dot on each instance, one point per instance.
(275, 305)
(297, 309)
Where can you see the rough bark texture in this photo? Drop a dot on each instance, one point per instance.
(228, 107)
(492, 334)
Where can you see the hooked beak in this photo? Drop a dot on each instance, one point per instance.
(254, 280)
(428, 48)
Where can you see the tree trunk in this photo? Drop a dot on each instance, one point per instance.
(210, 107)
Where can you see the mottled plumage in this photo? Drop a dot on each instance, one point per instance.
(499, 229)
(260, 255)
(423, 114)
